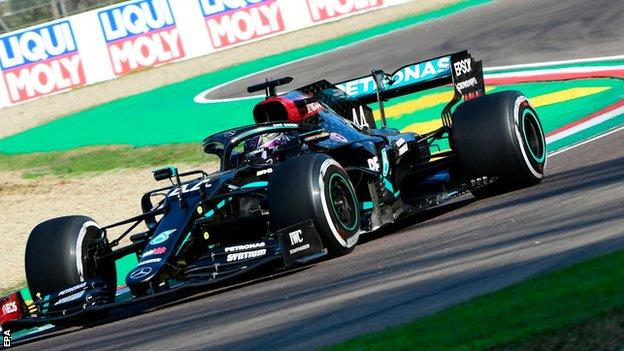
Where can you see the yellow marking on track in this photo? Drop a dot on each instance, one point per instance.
(418, 104)
(411, 106)
(538, 101)
(565, 95)
(423, 127)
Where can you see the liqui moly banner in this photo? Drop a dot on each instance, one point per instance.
(140, 34)
(40, 61)
(323, 10)
(110, 42)
(231, 22)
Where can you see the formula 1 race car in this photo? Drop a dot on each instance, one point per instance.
(306, 180)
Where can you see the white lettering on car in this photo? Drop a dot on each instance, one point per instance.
(240, 256)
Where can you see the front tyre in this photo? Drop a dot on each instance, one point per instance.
(60, 254)
(316, 187)
(499, 136)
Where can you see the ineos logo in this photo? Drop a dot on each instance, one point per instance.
(10, 307)
(141, 273)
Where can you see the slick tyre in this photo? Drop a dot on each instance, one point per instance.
(316, 187)
(59, 255)
(499, 136)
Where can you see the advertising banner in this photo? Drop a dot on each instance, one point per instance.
(235, 22)
(140, 34)
(323, 10)
(39, 61)
(110, 42)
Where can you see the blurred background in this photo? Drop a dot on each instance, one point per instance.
(16, 14)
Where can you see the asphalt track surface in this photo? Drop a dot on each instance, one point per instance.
(441, 258)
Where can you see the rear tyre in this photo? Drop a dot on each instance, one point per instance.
(499, 136)
(316, 187)
(59, 255)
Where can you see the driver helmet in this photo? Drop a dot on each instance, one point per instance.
(260, 147)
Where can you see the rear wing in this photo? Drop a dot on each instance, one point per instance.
(459, 69)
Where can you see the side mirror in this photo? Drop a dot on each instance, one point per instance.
(165, 173)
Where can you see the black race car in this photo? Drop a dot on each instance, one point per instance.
(306, 180)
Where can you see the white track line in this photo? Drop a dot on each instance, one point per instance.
(585, 125)
(564, 70)
(560, 151)
(554, 63)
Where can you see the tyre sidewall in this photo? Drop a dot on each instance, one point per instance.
(342, 239)
(532, 165)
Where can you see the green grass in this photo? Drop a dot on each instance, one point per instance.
(7, 291)
(603, 332)
(100, 159)
(524, 316)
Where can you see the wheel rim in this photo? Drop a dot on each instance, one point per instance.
(533, 136)
(88, 259)
(342, 201)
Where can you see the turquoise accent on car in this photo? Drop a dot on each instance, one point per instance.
(415, 74)
(186, 239)
(390, 187)
(357, 213)
(366, 205)
(218, 207)
(543, 157)
(255, 185)
(385, 163)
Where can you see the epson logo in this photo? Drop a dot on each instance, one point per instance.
(462, 66)
(135, 18)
